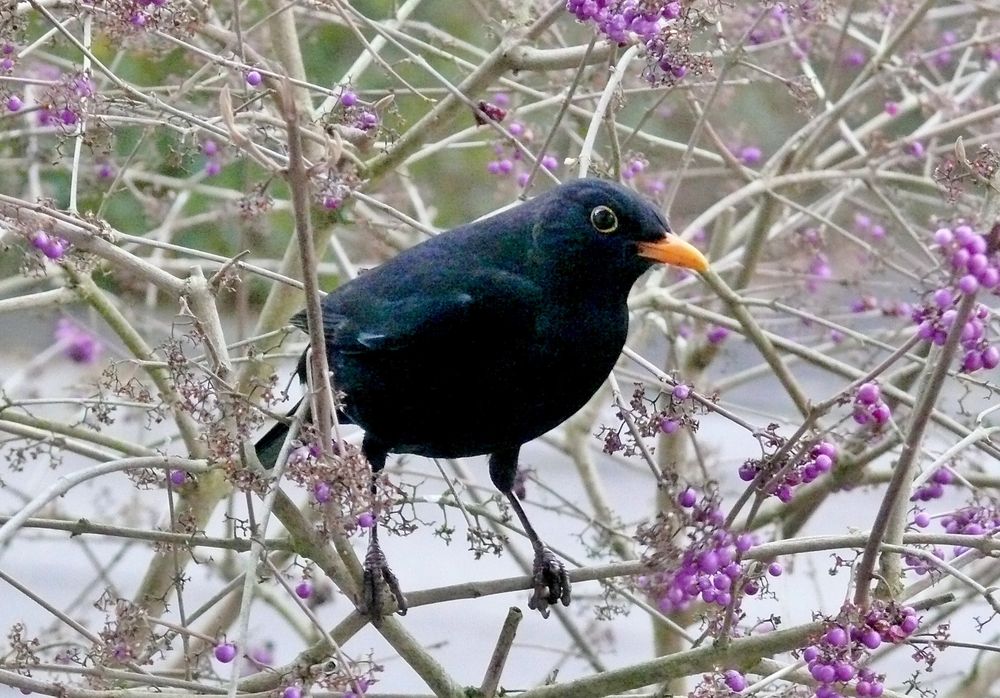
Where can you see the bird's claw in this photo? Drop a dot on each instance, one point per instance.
(379, 579)
(551, 582)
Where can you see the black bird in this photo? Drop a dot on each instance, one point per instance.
(489, 335)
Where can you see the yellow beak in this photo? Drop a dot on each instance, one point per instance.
(672, 250)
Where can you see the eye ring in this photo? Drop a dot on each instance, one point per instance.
(603, 219)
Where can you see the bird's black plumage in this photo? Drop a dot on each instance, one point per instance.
(487, 336)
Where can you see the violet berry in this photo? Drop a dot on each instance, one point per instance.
(226, 652)
(304, 589)
(716, 334)
(348, 98)
(868, 393)
(735, 681)
(254, 78)
(322, 493)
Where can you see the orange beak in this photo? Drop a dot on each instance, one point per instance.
(672, 250)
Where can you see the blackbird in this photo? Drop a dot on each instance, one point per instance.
(486, 337)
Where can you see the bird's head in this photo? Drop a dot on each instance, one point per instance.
(607, 228)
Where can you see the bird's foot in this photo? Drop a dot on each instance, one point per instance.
(379, 581)
(551, 582)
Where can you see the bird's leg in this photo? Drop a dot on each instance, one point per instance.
(549, 576)
(378, 578)
(548, 573)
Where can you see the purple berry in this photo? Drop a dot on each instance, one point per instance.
(687, 498)
(989, 277)
(178, 477)
(681, 392)
(826, 448)
(960, 258)
(990, 357)
(734, 679)
(844, 671)
(322, 492)
(972, 362)
(943, 298)
(968, 284)
(868, 393)
(977, 263)
(976, 244)
(836, 636)
(708, 562)
(943, 236)
(824, 673)
(226, 652)
(775, 569)
(304, 589)
(292, 692)
(871, 639)
(366, 520)
(942, 476)
(14, 103)
(254, 78)
(751, 155)
(716, 334)
(669, 426)
(881, 414)
(823, 463)
(348, 98)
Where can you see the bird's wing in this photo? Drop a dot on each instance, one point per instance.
(487, 301)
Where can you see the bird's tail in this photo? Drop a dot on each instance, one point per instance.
(268, 446)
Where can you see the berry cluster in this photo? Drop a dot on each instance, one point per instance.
(510, 161)
(52, 247)
(709, 569)
(934, 487)
(360, 115)
(819, 460)
(340, 486)
(974, 520)
(213, 157)
(973, 266)
(838, 657)
(64, 103)
(869, 408)
(652, 417)
(659, 26)
(633, 167)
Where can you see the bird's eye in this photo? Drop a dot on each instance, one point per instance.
(603, 219)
